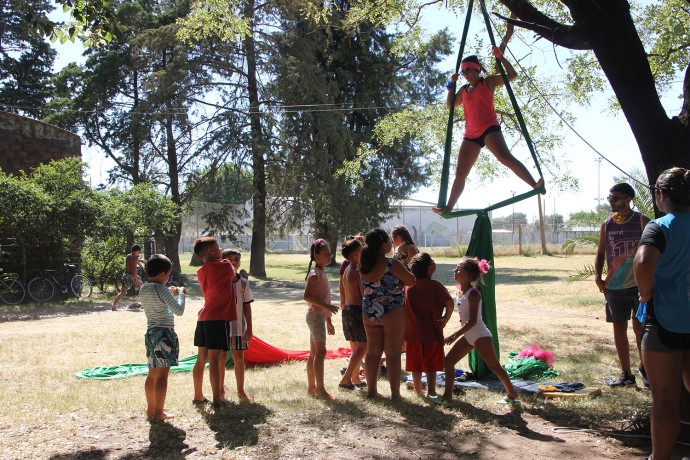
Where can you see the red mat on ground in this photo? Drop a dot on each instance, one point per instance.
(260, 352)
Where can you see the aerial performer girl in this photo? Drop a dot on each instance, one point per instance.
(482, 127)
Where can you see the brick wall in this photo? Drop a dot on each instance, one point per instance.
(26, 143)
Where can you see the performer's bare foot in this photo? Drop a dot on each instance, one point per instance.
(440, 211)
(540, 184)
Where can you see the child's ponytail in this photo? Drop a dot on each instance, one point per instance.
(314, 249)
(374, 241)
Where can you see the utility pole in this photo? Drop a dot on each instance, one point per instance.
(598, 160)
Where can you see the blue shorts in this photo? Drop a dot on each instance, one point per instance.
(213, 335)
(162, 347)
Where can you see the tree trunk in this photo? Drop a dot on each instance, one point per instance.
(257, 262)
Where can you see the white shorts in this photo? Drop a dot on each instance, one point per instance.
(477, 332)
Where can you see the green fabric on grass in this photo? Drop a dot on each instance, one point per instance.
(129, 370)
(528, 368)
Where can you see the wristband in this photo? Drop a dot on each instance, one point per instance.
(449, 85)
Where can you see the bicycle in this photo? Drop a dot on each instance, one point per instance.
(42, 287)
(12, 291)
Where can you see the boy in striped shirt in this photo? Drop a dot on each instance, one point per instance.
(162, 345)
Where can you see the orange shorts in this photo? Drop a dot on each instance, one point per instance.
(424, 357)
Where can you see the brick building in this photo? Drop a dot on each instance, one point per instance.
(26, 143)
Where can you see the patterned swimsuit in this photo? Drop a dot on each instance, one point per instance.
(382, 296)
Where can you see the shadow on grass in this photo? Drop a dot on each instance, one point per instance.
(235, 424)
(166, 441)
(527, 276)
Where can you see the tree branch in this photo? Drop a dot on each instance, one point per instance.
(532, 19)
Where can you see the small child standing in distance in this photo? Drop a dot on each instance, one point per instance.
(474, 332)
(241, 328)
(162, 345)
(130, 278)
(429, 307)
(212, 332)
(317, 293)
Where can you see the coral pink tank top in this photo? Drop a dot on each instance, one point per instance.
(478, 106)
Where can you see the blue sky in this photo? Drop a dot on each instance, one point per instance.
(608, 132)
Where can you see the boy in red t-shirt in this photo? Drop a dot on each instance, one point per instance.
(429, 307)
(212, 333)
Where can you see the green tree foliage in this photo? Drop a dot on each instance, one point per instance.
(344, 83)
(26, 60)
(510, 222)
(53, 207)
(137, 215)
(48, 207)
(148, 100)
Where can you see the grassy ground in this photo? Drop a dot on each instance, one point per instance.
(51, 414)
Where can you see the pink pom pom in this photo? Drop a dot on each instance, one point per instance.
(538, 353)
(484, 266)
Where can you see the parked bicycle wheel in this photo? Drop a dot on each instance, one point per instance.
(12, 291)
(41, 289)
(81, 286)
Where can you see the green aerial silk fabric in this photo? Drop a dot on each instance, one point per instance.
(481, 246)
(129, 370)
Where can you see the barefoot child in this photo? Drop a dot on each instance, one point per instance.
(131, 278)
(162, 346)
(211, 336)
(482, 127)
(317, 293)
(352, 293)
(429, 307)
(474, 332)
(240, 329)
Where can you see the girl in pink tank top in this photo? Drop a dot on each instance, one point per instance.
(481, 125)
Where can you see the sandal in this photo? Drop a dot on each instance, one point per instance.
(346, 387)
(437, 399)
(197, 402)
(360, 384)
(510, 402)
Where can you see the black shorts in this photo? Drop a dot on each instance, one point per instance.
(621, 304)
(657, 338)
(480, 140)
(213, 335)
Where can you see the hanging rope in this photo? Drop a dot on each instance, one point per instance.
(442, 196)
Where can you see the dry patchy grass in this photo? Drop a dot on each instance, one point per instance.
(49, 413)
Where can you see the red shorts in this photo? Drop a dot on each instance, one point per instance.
(424, 357)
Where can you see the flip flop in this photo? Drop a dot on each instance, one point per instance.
(510, 402)
(346, 387)
(197, 402)
(360, 385)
